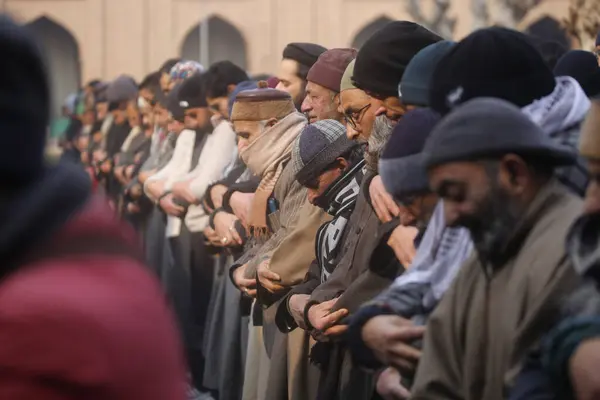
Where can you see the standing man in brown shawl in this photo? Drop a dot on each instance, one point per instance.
(268, 124)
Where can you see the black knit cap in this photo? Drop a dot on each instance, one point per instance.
(491, 62)
(401, 164)
(303, 53)
(192, 93)
(25, 110)
(490, 127)
(583, 67)
(173, 103)
(381, 61)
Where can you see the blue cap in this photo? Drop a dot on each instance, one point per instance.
(244, 85)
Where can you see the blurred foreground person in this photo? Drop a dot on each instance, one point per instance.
(79, 316)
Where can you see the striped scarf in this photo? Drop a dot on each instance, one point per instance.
(266, 157)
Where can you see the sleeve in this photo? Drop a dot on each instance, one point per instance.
(439, 372)
(213, 161)
(179, 163)
(289, 212)
(533, 383)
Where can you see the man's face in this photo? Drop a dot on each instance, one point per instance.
(101, 110)
(475, 198)
(165, 80)
(318, 186)
(175, 126)
(392, 107)
(247, 132)
(358, 113)
(320, 103)
(592, 195)
(290, 82)
(89, 117)
(219, 106)
(196, 118)
(161, 116)
(133, 116)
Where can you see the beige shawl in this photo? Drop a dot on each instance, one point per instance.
(266, 157)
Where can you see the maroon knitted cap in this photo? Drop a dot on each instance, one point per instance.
(330, 67)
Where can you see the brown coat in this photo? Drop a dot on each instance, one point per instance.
(492, 315)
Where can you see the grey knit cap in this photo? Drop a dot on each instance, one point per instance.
(319, 145)
(490, 127)
(121, 89)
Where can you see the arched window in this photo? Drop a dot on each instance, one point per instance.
(225, 42)
(62, 53)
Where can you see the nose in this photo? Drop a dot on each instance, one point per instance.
(592, 199)
(351, 133)
(306, 106)
(280, 86)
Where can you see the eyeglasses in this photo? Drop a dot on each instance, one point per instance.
(353, 118)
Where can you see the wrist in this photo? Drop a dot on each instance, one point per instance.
(307, 322)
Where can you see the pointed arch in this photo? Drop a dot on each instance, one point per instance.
(225, 42)
(368, 30)
(62, 54)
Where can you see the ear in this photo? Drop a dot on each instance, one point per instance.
(342, 162)
(271, 122)
(514, 173)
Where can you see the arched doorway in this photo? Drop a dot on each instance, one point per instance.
(62, 54)
(365, 33)
(225, 42)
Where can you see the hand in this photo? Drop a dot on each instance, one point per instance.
(583, 367)
(144, 175)
(384, 205)
(129, 171)
(321, 317)
(216, 195)
(389, 386)
(336, 331)
(387, 336)
(402, 241)
(166, 203)
(155, 189)
(296, 305)
(212, 237)
(269, 279)
(105, 166)
(246, 285)
(225, 228)
(240, 204)
(133, 208)
(182, 190)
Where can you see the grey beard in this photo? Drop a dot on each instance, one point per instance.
(382, 130)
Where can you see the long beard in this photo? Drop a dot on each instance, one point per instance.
(382, 130)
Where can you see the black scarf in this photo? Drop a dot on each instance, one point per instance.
(338, 200)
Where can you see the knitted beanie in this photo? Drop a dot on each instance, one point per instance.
(303, 53)
(415, 84)
(318, 146)
(489, 127)
(381, 61)
(492, 62)
(583, 67)
(346, 82)
(245, 85)
(589, 142)
(177, 112)
(330, 67)
(122, 89)
(192, 93)
(25, 110)
(401, 164)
